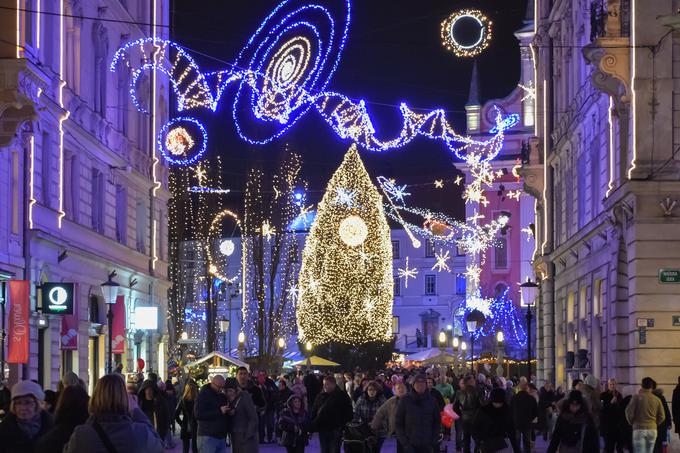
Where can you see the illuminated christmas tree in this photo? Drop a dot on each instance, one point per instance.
(346, 282)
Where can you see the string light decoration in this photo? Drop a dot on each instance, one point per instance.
(439, 183)
(481, 41)
(407, 272)
(396, 192)
(182, 141)
(281, 73)
(529, 91)
(501, 315)
(441, 263)
(346, 290)
(271, 262)
(218, 250)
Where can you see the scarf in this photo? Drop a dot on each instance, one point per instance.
(30, 427)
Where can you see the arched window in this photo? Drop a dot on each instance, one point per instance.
(101, 49)
(94, 309)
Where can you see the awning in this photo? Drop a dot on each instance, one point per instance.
(315, 361)
(221, 356)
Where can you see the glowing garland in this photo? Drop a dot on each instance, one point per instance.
(346, 280)
(466, 51)
(407, 272)
(501, 315)
(215, 232)
(200, 189)
(281, 73)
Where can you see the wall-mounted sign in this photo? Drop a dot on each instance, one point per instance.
(57, 298)
(146, 318)
(669, 275)
(676, 321)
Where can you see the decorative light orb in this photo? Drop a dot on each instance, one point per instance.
(308, 346)
(281, 343)
(353, 231)
(178, 141)
(213, 269)
(451, 33)
(185, 336)
(227, 247)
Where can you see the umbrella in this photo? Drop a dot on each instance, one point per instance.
(316, 361)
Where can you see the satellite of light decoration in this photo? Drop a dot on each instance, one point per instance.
(466, 33)
(283, 72)
(223, 234)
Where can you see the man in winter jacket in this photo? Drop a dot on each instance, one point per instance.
(467, 403)
(417, 421)
(331, 410)
(524, 409)
(612, 418)
(210, 412)
(645, 413)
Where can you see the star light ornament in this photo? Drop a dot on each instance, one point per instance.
(529, 91)
(407, 272)
(441, 264)
(439, 184)
(267, 230)
(345, 197)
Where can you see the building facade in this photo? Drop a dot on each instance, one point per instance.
(604, 173)
(83, 190)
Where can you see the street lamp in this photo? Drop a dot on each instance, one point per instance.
(529, 291)
(110, 293)
(282, 344)
(224, 328)
(500, 338)
(442, 340)
(455, 344)
(475, 319)
(463, 349)
(241, 344)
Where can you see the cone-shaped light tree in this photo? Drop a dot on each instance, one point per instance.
(346, 282)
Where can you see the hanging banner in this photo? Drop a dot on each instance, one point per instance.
(18, 332)
(69, 325)
(118, 326)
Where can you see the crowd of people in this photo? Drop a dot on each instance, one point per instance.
(426, 410)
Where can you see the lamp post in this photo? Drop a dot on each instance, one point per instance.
(500, 338)
(224, 328)
(110, 293)
(463, 348)
(308, 348)
(529, 291)
(442, 341)
(475, 319)
(241, 344)
(455, 344)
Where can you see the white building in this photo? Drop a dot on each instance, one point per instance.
(605, 173)
(80, 185)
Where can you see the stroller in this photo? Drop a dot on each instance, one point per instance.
(357, 437)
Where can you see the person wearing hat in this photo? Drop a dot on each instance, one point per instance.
(575, 428)
(293, 425)
(26, 421)
(492, 425)
(243, 420)
(418, 422)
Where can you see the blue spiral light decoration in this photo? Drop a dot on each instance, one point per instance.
(281, 73)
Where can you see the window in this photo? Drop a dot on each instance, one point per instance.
(501, 253)
(429, 249)
(142, 225)
(101, 50)
(430, 284)
(582, 189)
(598, 296)
(123, 102)
(46, 170)
(397, 286)
(97, 201)
(460, 284)
(74, 193)
(121, 214)
(583, 303)
(459, 249)
(395, 250)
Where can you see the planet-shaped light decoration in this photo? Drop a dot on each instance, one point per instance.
(353, 231)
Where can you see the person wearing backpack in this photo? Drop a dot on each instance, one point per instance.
(575, 430)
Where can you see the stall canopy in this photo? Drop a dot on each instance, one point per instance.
(423, 355)
(315, 361)
(217, 356)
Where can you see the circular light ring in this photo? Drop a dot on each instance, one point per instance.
(289, 59)
(215, 232)
(353, 231)
(466, 51)
(182, 141)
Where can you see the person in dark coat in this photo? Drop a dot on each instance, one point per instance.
(613, 417)
(5, 399)
(418, 420)
(436, 394)
(153, 405)
(184, 416)
(26, 421)
(524, 409)
(114, 418)
(675, 404)
(247, 385)
(663, 428)
(468, 402)
(210, 412)
(293, 425)
(313, 386)
(284, 393)
(575, 428)
(331, 410)
(70, 411)
(267, 418)
(493, 425)
(546, 406)
(367, 406)
(243, 419)
(171, 402)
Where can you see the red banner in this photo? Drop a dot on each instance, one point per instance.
(69, 326)
(18, 333)
(118, 326)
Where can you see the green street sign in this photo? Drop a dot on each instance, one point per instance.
(669, 275)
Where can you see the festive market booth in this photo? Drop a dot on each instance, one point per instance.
(212, 364)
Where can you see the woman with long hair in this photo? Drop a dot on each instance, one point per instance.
(184, 415)
(115, 424)
(70, 411)
(575, 429)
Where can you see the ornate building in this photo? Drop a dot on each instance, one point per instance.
(82, 190)
(605, 177)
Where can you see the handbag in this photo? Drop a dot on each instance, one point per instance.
(104, 438)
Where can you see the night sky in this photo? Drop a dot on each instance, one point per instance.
(393, 54)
